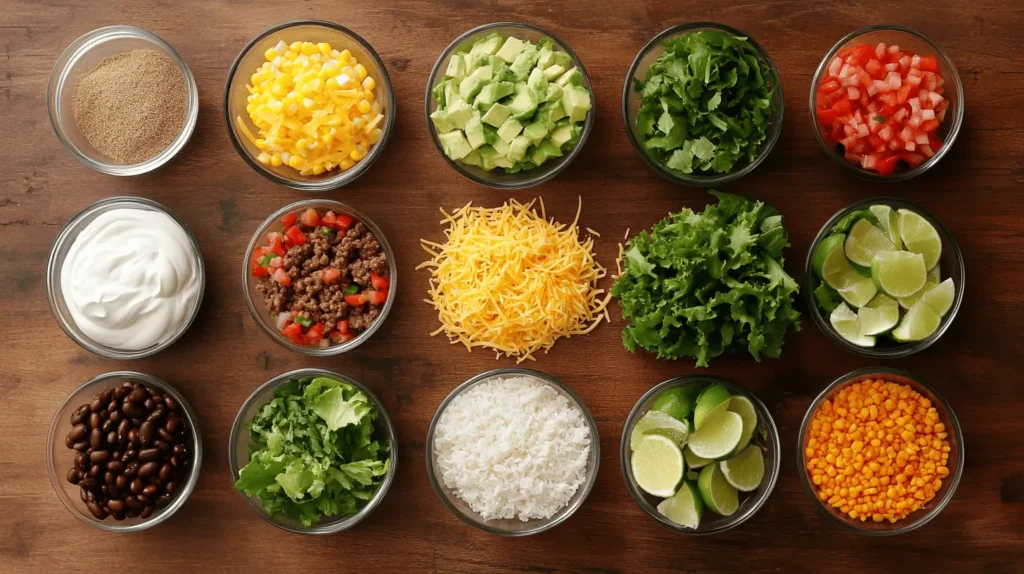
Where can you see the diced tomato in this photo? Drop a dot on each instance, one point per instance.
(378, 281)
(330, 275)
(314, 334)
(860, 55)
(929, 126)
(377, 297)
(904, 93)
(329, 219)
(929, 64)
(339, 337)
(887, 165)
(277, 262)
(343, 326)
(912, 159)
(828, 86)
(357, 300)
(259, 253)
(258, 270)
(874, 67)
(293, 331)
(282, 277)
(310, 218)
(842, 107)
(295, 236)
(344, 222)
(289, 220)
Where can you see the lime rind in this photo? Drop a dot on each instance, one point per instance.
(745, 471)
(864, 241)
(935, 274)
(657, 422)
(846, 325)
(899, 273)
(712, 400)
(908, 302)
(719, 496)
(889, 222)
(940, 297)
(836, 270)
(823, 249)
(879, 316)
(742, 406)
(919, 236)
(718, 437)
(685, 507)
(919, 323)
(658, 465)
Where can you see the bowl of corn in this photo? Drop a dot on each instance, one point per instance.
(309, 105)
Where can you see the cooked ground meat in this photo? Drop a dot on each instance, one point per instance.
(356, 253)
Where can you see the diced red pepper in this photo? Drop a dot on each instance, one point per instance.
(376, 297)
(289, 220)
(293, 331)
(295, 236)
(310, 218)
(282, 277)
(330, 275)
(357, 300)
(379, 281)
(344, 222)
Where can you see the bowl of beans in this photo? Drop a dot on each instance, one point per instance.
(880, 451)
(319, 277)
(125, 451)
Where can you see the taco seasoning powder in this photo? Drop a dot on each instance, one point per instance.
(132, 105)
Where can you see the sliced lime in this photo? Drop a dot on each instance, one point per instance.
(919, 323)
(657, 465)
(940, 297)
(845, 322)
(718, 437)
(714, 399)
(693, 461)
(685, 508)
(745, 470)
(934, 274)
(859, 292)
(836, 270)
(677, 401)
(889, 222)
(719, 496)
(823, 249)
(657, 422)
(880, 315)
(742, 406)
(864, 241)
(919, 236)
(899, 273)
(908, 302)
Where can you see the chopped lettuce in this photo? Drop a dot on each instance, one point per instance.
(699, 284)
(312, 451)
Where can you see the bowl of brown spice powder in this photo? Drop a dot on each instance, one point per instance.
(122, 101)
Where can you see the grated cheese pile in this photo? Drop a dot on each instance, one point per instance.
(512, 448)
(509, 279)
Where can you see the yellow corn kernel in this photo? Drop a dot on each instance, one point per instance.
(324, 48)
(296, 161)
(275, 160)
(347, 163)
(290, 55)
(263, 158)
(369, 83)
(270, 54)
(364, 106)
(309, 48)
(357, 154)
(344, 56)
(360, 71)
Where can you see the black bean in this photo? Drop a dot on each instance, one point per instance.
(157, 415)
(132, 469)
(115, 505)
(121, 481)
(115, 466)
(96, 405)
(129, 455)
(104, 489)
(170, 486)
(171, 403)
(88, 483)
(148, 403)
(99, 455)
(137, 396)
(148, 454)
(74, 476)
(77, 433)
(79, 415)
(117, 515)
(179, 450)
(133, 503)
(82, 461)
(162, 445)
(143, 499)
(96, 438)
(81, 446)
(158, 399)
(105, 395)
(112, 438)
(132, 513)
(149, 490)
(146, 512)
(108, 477)
(96, 510)
(95, 421)
(175, 461)
(165, 472)
(146, 432)
(82, 492)
(133, 436)
(112, 406)
(115, 415)
(95, 470)
(122, 391)
(148, 469)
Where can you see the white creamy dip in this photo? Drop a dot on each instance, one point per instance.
(130, 280)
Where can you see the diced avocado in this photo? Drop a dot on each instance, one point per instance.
(560, 135)
(456, 67)
(469, 59)
(459, 113)
(455, 144)
(483, 72)
(545, 57)
(475, 132)
(554, 92)
(451, 93)
(576, 101)
(497, 114)
(517, 149)
(510, 49)
(487, 157)
(523, 104)
(488, 45)
(491, 93)
(549, 113)
(563, 59)
(535, 132)
(501, 146)
(437, 93)
(441, 122)
(573, 76)
(470, 87)
(472, 158)
(538, 85)
(509, 130)
(552, 73)
(503, 162)
(545, 151)
(525, 62)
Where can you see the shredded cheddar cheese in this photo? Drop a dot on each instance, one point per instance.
(511, 280)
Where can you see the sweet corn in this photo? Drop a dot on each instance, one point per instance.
(313, 108)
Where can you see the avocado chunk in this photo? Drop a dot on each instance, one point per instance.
(560, 135)
(501, 146)
(552, 73)
(576, 102)
(441, 122)
(524, 62)
(510, 49)
(538, 85)
(459, 113)
(470, 87)
(535, 132)
(517, 149)
(488, 45)
(451, 93)
(491, 93)
(545, 151)
(509, 130)
(496, 115)
(523, 104)
(573, 76)
(472, 158)
(487, 156)
(563, 59)
(456, 67)
(549, 113)
(455, 144)
(484, 72)
(545, 57)
(475, 132)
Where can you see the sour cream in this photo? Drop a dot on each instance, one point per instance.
(131, 279)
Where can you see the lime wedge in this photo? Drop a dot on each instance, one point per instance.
(690, 473)
(889, 222)
(860, 292)
(864, 241)
(719, 496)
(823, 249)
(657, 422)
(677, 401)
(899, 273)
(919, 323)
(657, 465)
(940, 297)
(685, 507)
(845, 322)
(878, 316)
(934, 275)
(714, 399)
(718, 437)
(919, 236)
(693, 461)
(742, 406)
(908, 302)
(836, 270)
(745, 470)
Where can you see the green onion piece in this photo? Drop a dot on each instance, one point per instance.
(304, 321)
(352, 289)
(326, 230)
(266, 259)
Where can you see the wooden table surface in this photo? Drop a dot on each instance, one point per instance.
(975, 191)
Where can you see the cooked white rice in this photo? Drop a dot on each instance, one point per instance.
(513, 447)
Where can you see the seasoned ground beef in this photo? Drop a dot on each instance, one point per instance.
(356, 253)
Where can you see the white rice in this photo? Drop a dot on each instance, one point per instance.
(513, 447)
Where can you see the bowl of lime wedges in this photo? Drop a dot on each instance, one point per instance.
(884, 278)
(700, 454)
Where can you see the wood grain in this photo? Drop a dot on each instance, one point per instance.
(976, 191)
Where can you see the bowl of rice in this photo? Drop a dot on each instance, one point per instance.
(512, 452)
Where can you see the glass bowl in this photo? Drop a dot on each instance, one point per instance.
(251, 57)
(921, 45)
(955, 462)
(631, 105)
(60, 458)
(238, 452)
(951, 264)
(254, 300)
(55, 265)
(497, 178)
(80, 57)
(711, 523)
(513, 527)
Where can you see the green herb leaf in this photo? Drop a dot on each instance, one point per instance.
(266, 259)
(352, 289)
(326, 230)
(879, 119)
(304, 321)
